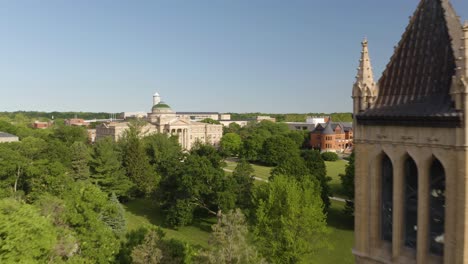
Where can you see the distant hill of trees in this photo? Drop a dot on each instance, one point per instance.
(292, 117)
(54, 115)
(337, 117)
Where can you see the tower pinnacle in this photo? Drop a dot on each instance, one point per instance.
(365, 75)
(364, 90)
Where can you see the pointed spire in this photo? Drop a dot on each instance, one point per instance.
(365, 76)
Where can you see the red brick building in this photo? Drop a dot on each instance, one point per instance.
(41, 125)
(332, 136)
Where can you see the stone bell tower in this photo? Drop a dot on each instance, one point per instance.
(411, 145)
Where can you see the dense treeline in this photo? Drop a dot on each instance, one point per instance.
(61, 198)
(53, 115)
(338, 117)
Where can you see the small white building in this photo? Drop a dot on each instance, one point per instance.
(5, 137)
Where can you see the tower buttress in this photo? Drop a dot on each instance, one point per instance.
(364, 89)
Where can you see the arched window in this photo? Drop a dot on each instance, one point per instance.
(411, 203)
(387, 199)
(437, 208)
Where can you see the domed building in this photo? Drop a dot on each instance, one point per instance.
(165, 120)
(162, 119)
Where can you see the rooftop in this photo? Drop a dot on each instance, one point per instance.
(415, 86)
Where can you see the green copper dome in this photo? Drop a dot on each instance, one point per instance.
(161, 105)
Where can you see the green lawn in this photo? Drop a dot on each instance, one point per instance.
(262, 172)
(143, 213)
(341, 237)
(334, 169)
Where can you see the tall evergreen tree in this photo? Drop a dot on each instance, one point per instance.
(136, 161)
(114, 216)
(107, 170)
(80, 159)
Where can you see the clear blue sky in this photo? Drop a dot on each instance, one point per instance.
(224, 55)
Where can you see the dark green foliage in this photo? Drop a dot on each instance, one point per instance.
(330, 156)
(278, 148)
(347, 181)
(70, 134)
(293, 166)
(79, 161)
(164, 152)
(199, 184)
(316, 165)
(107, 170)
(289, 220)
(136, 162)
(243, 175)
(133, 239)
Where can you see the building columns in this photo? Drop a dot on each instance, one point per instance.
(398, 206)
(422, 250)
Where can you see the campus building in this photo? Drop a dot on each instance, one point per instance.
(411, 145)
(162, 119)
(332, 137)
(6, 138)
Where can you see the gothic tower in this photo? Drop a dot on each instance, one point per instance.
(411, 145)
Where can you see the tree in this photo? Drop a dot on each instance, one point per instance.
(199, 184)
(232, 128)
(229, 243)
(85, 205)
(278, 148)
(243, 175)
(80, 159)
(136, 161)
(210, 121)
(114, 216)
(148, 252)
(330, 156)
(231, 144)
(26, 236)
(316, 165)
(107, 170)
(347, 181)
(289, 220)
(165, 153)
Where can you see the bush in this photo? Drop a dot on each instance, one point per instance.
(329, 156)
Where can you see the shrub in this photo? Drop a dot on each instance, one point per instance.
(329, 156)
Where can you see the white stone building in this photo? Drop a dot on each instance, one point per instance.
(163, 119)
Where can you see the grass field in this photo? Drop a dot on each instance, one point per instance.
(143, 213)
(334, 169)
(341, 237)
(262, 172)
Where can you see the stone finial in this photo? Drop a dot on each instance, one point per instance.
(465, 48)
(364, 90)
